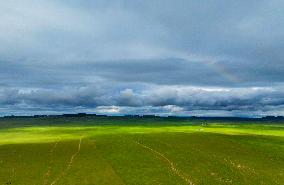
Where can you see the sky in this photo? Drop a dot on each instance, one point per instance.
(164, 57)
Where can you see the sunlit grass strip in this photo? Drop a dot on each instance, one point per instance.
(45, 134)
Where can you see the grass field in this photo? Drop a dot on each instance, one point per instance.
(106, 151)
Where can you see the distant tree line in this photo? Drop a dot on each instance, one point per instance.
(80, 115)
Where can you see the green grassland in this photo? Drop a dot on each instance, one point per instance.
(118, 151)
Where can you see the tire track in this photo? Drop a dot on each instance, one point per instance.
(50, 164)
(109, 166)
(172, 166)
(63, 173)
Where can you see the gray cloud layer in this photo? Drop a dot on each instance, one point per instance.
(172, 99)
(182, 57)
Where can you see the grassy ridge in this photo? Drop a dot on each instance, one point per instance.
(136, 153)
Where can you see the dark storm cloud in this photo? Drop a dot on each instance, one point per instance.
(119, 56)
(178, 99)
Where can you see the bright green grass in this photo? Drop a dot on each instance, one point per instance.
(142, 154)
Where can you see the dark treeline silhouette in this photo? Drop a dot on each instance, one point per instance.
(80, 115)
